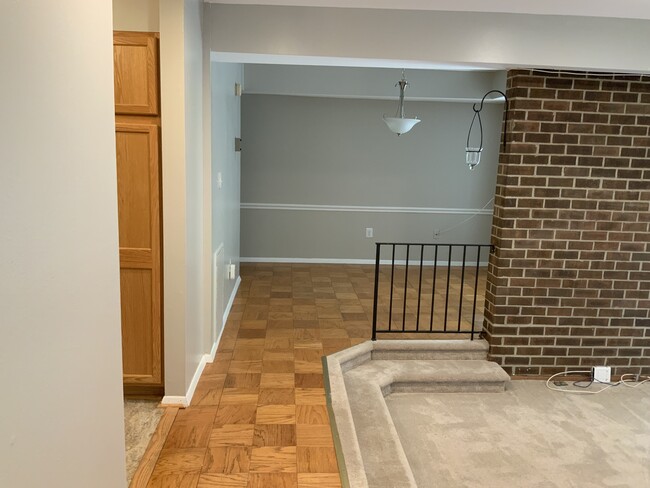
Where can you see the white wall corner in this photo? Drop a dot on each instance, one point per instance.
(185, 401)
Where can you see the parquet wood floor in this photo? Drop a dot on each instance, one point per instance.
(258, 418)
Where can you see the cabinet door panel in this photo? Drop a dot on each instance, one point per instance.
(135, 62)
(138, 191)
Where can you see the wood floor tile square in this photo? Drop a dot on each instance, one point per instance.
(279, 343)
(319, 480)
(172, 461)
(316, 460)
(306, 323)
(175, 480)
(206, 397)
(310, 396)
(309, 355)
(334, 334)
(314, 435)
(309, 380)
(273, 459)
(312, 414)
(239, 396)
(274, 435)
(253, 324)
(280, 323)
(277, 380)
(308, 367)
(242, 380)
(252, 366)
(286, 366)
(191, 428)
(232, 435)
(277, 316)
(250, 343)
(276, 396)
(275, 332)
(272, 480)
(251, 333)
(235, 414)
(218, 366)
(276, 414)
(218, 480)
(227, 460)
(208, 381)
(247, 354)
(278, 355)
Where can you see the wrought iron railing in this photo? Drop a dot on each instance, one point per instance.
(421, 288)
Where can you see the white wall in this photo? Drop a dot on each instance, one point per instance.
(226, 125)
(332, 152)
(420, 37)
(136, 15)
(197, 319)
(186, 310)
(60, 350)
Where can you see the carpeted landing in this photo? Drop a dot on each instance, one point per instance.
(527, 436)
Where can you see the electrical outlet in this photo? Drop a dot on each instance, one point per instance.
(436, 234)
(370, 232)
(601, 374)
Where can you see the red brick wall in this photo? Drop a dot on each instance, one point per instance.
(569, 284)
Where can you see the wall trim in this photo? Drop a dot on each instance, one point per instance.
(363, 208)
(231, 300)
(185, 401)
(351, 261)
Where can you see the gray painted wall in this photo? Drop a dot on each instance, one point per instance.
(375, 83)
(226, 124)
(318, 151)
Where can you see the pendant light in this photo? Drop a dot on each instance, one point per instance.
(473, 154)
(401, 124)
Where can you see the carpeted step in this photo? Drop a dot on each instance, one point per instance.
(430, 350)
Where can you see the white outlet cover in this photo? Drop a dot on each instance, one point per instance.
(370, 232)
(602, 374)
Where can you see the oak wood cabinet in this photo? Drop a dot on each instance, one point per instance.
(135, 66)
(137, 139)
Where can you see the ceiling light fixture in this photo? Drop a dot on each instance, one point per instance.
(473, 154)
(401, 124)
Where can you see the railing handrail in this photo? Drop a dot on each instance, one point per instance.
(407, 263)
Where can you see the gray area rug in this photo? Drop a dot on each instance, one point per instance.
(141, 418)
(527, 436)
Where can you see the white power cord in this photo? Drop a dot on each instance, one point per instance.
(607, 386)
(467, 219)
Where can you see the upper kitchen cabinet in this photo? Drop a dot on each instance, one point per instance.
(135, 59)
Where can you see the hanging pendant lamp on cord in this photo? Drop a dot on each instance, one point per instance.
(401, 124)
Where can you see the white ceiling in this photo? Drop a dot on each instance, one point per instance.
(627, 9)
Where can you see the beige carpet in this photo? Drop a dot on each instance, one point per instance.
(528, 436)
(141, 418)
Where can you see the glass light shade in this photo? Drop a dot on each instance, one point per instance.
(400, 125)
(473, 156)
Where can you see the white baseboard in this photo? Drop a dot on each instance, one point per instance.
(185, 401)
(174, 401)
(354, 261)
(231, 300)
